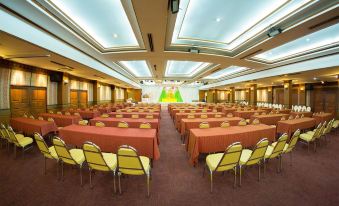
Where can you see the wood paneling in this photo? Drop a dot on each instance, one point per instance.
(83, 99)
(74, 99)
(38, 100)
(325, 99)
(79, 98)
(295, 96)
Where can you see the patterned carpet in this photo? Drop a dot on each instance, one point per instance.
(313, 179)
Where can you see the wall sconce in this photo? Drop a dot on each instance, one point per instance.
(269, 90)
(302, 88)
(252, 88)
(65, 81)
(286, 85)
(99, 85)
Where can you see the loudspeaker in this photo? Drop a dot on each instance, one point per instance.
(175, 6)
(309, 87)
(56, 77)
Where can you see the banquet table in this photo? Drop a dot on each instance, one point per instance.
(246, 114)
(322, 117)
(90, 114)
(138, 110)
(105, 110)
(156, 115)
(132, 123)
(269, 119)
(29, 126)
(306, 114)
(187, 124)
(179, 116)
(217, 139)
(110, 138)
(226, 110)
(175, 111)
(290, 126)
(62, 120)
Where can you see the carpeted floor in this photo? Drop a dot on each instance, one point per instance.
(312, 180)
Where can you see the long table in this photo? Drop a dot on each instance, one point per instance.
(217, 139)
(269, 119)
(179, 116)
(29, 126)
(141, 114)
(62, 120)
(187, 124)
(306, 114)
(290, 126)
(246, 114)
(175, 111)
(110, 138)
(322, 117)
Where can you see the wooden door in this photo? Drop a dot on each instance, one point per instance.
(74, 99)
(38, 100)
(295, 97)
(20, 102)
(83, 99)
(325, 100)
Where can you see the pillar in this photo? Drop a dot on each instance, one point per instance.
(232, 94)
(270, 94)
(253, 94)
(96, 92)
(63, 92)
(301, 94)
(288, 93)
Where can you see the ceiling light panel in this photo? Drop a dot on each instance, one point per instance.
(138, 68)
(228, 24)
(104, 21)
(184, 68)
(322, 39)
(226, 72)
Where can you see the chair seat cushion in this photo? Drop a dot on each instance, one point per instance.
(213, 160)
(24, 141)
(269, 151)
(77, 155)
(110, 159)
(306, 137)
(53, 152)
(285, 147)
(245, 156)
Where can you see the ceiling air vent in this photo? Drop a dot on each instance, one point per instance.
(320, 24)
(26, 56)
(63, 66)
(150, 41)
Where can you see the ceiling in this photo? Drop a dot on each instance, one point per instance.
(126, 42)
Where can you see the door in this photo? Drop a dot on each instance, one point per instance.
(83, 99)
(19, 101)
(325, 100)
(38, 100)
(74, 99)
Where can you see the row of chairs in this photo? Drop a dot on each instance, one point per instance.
(121, 124)
(300, 108)
(270, 105)
(226, 124)
(125, 161)
(236, 158)
(135, 116)
(139, 110)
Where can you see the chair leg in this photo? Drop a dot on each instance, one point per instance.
(235, 176)
(114, 186)
(211, 178)
(258, 172)
(119, 174)
(147, 179)
(291, 158)
(264, 168)
(62, 171)
(314, 146)
(57, 169)
(240, 171)
(280, 161)
(90, 178)
(14, 151)
(44, 165)
(80, 167)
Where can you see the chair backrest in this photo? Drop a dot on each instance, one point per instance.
(149, 116)
(12, 135)
(192, 111)
(3, 131)
(123, 124)
(31, 117)
(283, 118)
(258, 152)
(204, 116)
(190, 116)
(100, 124)
(94, 157)
(105, 115)
(218, 116)
(204, 125)
(129, 161)
(119, 116)
(290, 117)
(135, 116)
(40, 118)
(59, 112)
(242, 122)
(76, 114)
(230, 158)
(229, 115)
(297, 116)
(182, 111)
(145, 125)
(255, 121)
(279, 147)
(225, 124)
(204, 110)
(83, 122)
(322, 130)
(42, 145)
(293, 141)
(67, 113)
(50, 111)
(25, 115)
(62, 151)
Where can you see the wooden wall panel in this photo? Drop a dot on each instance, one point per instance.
(38, 100)
(20, 102)
(295, 97)
(82, 99)
(325, 99)
(74, 99)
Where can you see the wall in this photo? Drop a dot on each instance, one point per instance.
(134, 94)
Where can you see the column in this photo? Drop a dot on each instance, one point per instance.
(288, 93)
(96, 92)
(253, 94)
(232, 94)
(63, 92)
(270, 94)
(301, 94)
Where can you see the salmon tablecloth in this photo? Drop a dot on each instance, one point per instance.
(62, 120)
(105, 110)
(175, 111)
(29, 126)
(137, 110)
(246, 114)
(132, 123)
(187, 124)
(156, 115)
(217, 139)
(269, 119)
(110, 138)
(228, 110)
(306, 114)
(320, 118)
(179, 116)
(290, 126)
(86, 114)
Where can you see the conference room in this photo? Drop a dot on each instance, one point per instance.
(169, 102)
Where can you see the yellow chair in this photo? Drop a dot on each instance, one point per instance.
(296, 117)
(204, 116)
(67, 113)
(19, 140)
(221, 162)
(40, 118)
(275, 150)
(130, 163)
(190, 116)
(119, 116)
(135, 116)
(59, 112)
(302, 116)
(100, 124)
(229, 115)
(283, 118)
(25, 115)
(218, 116)
(290, 146)
(145, 125)
(31, 117)
(309, 137)
(83, 122)
(123, 124)
(253, 157)
(255, 121)
(204, 125)
(72, 156)
(149, 116)
(50, 111)
(4, 137)
(100, 161)
(242, 122)
(47, 152)
(225, 124)
(192, 111)
(105, 115)
(76, 114)
(290, 117)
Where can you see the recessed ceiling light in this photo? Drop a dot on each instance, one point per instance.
(315, 78)
(217, 19)
(115, 35)
(308, 39)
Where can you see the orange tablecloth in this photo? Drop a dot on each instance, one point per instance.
(110, 138)
(29, 126)
(86, 114)
(132, 123)
(105, 110)
(187, 124)
(175, 111)
(246, 114)
(141, 114)
(320, 118)
(179, 116)
(137, 110)
(290, 126)
(62, 120)
(269, 119)
(217, 139)
(228, 110)
(306, 114)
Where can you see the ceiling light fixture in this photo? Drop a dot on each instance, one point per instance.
(115, 35)
(217, 19)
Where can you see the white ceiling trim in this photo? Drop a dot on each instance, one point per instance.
(21, 29)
